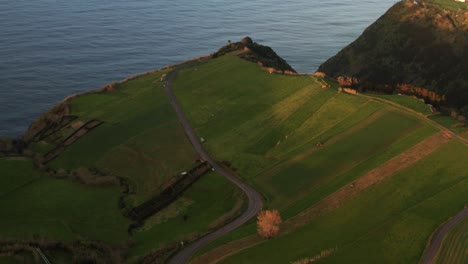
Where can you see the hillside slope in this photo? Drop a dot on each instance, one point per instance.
(421, 43)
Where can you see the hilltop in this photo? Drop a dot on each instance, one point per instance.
(416, 47)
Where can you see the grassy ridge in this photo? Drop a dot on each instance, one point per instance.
(387, 224)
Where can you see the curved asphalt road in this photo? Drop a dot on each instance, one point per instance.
(436, 241)
(255, 200)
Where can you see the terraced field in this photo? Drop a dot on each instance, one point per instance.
(299, 137)
(388, 223)
(299, 143)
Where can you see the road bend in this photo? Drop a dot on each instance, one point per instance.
(436, 241)
(255, 199)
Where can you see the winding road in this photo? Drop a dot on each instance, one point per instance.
(436, 240)
(255, 199)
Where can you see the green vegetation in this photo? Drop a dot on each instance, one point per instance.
(453, 249)
(289, 138)
(37, 205)
(450, 4)
(139, 131)
(140, 141)
(407, 101)
(300, 142)
(389, 223)
(206, 205)
(273, 142)
(450, 123)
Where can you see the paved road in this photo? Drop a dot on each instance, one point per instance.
(436, 240)
(255, 200)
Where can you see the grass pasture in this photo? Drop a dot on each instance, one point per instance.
(142, 141)
(455, 245)
(389, 223)
(300, 143)
(309, 174)
(57, 208)
(140, 130)
(208, 203)
(272, 141)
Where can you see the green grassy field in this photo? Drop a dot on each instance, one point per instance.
(389, 223)
(450, 123)
(455, 245)
(37, 205)
(141, 141)
(210, 196)
(272, 141)
(407, 101)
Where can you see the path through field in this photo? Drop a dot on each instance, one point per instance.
(255, 199)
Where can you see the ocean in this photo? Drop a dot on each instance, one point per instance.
(50, 49)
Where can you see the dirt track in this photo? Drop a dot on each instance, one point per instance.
(255, 200)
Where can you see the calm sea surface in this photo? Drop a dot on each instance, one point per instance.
(50, 48)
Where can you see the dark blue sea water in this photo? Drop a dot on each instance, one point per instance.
(50, 48)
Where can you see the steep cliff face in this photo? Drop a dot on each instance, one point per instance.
(421, 43)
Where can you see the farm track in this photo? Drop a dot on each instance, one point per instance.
(435, 243)
(336, 199)
(254, 198)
